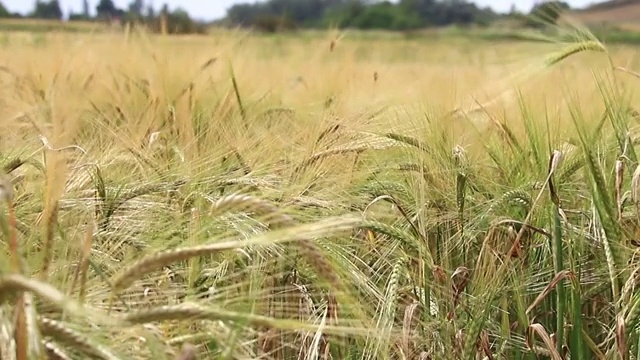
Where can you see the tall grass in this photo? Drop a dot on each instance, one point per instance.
(246, 196)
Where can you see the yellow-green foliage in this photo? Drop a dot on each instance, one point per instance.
(316, 195)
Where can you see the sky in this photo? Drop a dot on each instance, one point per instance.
(215, 9)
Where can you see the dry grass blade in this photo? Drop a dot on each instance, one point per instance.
(554, 164)
(549, 288)
(50, 216)
(621, 335)
(618, 187)
(21, 334)
(315, 350)
(268, 342)
(485, 345)
(165, 258)
(83, 266)
(460, 279)
(538, 329)
(628, 71)
(635, 188)
(407, 328)
(62, 334)
(555, 161)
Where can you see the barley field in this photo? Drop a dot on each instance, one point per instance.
(320, 195)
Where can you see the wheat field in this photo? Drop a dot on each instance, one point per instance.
(320, 195)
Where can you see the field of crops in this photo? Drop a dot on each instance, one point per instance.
(317, 196)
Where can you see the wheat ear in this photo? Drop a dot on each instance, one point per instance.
(14, 283)
(62, 334)
(297, 233)
(574, 49)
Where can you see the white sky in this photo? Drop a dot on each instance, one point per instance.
(214, 9)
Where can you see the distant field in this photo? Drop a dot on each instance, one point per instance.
(317, 195)
(37, 25)
(623, 14)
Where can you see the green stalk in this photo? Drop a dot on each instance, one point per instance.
(578, 347)
(558, 266)
(638, 348)
(577, 343)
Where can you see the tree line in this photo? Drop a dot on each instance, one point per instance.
(275, 15)
(138, 12)
(278, 15)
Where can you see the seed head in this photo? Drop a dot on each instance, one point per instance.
(459, 154)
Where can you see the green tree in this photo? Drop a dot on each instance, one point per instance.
(47, 10)
(364, 14)
(150, 12)
(295, 12)
(426, 10)
(106, 9)
(135, 12)
(179, 22)
(83, 16)
(385, 15)
(4, 13)
(546, 13)
(137, 7)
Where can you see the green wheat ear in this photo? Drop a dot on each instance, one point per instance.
(591, 45)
